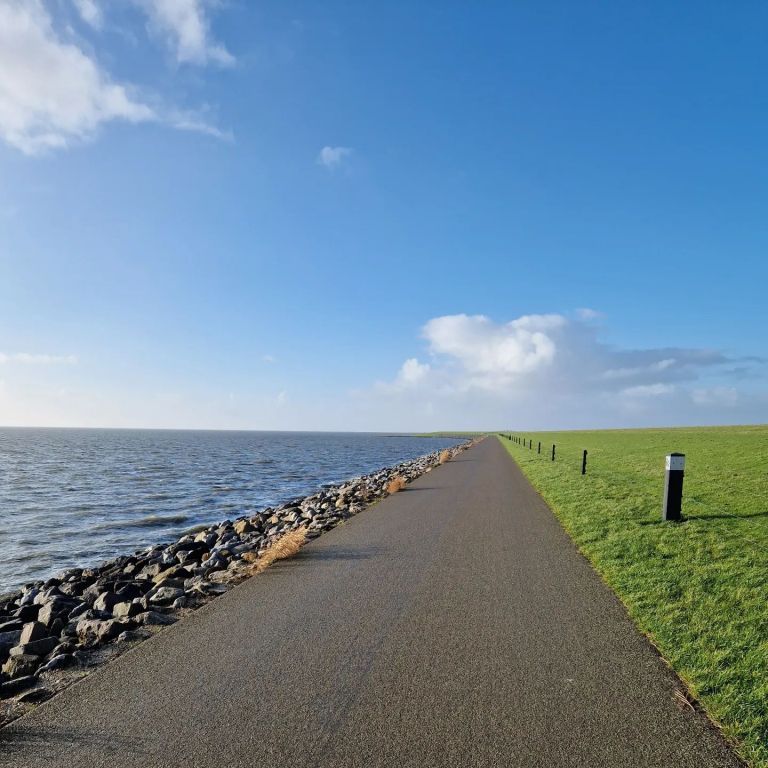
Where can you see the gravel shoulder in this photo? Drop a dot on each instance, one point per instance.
(452, 624)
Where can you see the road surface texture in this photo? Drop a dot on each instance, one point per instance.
(453, 624)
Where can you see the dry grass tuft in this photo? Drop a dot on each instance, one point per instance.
(396, 484)
(682, 700)
(444, 456)
(286, 546)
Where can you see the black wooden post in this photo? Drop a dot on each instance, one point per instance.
(553, 451)
(584, 463)
(673, 487)
(539, 451)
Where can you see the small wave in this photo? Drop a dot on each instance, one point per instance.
(196, 528)
(151, 521)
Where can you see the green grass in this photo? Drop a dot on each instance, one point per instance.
(698, 589)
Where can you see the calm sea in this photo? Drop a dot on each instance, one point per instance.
(78, 496)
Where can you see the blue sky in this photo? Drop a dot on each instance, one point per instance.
(392, 216)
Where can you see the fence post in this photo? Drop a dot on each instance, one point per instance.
(539, 451)
(673, 487)
(553, 451)
(584, 463)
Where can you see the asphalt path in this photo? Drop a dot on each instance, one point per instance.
(453, 624)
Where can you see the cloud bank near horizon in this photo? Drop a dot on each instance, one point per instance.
(553, 370)
(541, 371)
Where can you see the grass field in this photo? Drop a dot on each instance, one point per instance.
(699, 588)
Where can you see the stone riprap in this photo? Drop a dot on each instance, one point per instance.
(75, 620)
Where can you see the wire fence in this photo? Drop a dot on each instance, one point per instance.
(578, 461)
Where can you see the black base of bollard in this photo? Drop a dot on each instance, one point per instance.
(673, 487)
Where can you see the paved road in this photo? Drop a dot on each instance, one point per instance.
(454, 624)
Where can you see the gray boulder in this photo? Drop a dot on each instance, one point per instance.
(165, 595)
(125, 610)
(10, 638)
(27, 612)
(130, 591)
(12, 687)
(243, 526)
(54, 609)
(21, 666)
(106, 601)
(34, 630)
(78, 611)
(59, 661)
(153, 618)
(36, 647)
(96, 631)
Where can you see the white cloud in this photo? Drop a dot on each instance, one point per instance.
(413, 371)
(333, 157)
(715, 396)
(190, 121)
(282, 397)
(549, 370)
(27, 358)
(90, 12)
(649, 390)
(492, 356)
(585, 313)
(623, 373)
(412, 374)
(268, 358)
(185, 27)
(51, 92)
(554, 352)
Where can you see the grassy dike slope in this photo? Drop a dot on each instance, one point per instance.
(698, 589)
